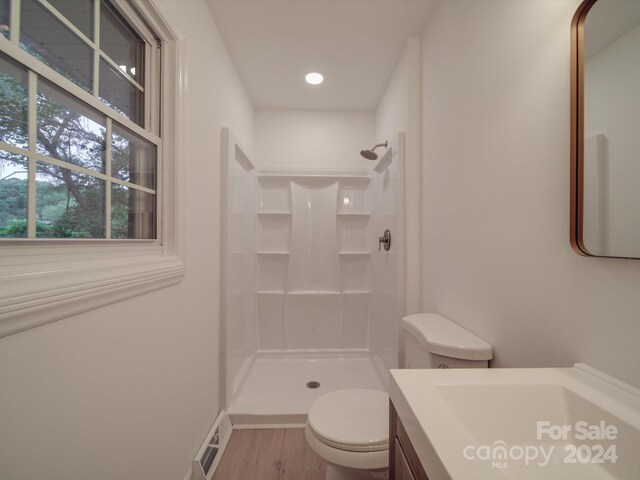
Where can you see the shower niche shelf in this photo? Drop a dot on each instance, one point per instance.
(353, 196)
(353, 177)
(274, 195)
(313, 292)
(354, 271)
(273, 233)
(354, 233)
(271, 271)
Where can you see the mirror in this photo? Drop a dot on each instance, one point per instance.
(605, 129)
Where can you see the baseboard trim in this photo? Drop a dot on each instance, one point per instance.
(272, 420)
(265, 426)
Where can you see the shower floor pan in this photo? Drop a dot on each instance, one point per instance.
(274, 392)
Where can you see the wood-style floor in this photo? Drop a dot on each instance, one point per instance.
(278, 454)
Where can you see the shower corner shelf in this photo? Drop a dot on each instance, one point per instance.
(347, 177)
(274, 213)
(273, 253)
(313, 292)
(353, 214)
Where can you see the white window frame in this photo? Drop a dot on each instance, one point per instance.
(44, 280)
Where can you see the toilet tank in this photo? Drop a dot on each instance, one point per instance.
(432, 341)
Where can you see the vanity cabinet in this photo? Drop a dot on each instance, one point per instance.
(403, 459)
(402, 470)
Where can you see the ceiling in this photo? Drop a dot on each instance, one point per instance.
(355, 44)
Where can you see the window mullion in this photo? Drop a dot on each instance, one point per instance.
(124, 74)
(107, 171)
(66, 22)
(14, 33)
(96, 48)
(33, 138)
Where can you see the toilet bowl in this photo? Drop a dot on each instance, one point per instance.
(350, 428)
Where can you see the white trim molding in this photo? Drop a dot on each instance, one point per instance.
(50, 292)
(44, 280)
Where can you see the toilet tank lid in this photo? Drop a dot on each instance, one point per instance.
(443, 337)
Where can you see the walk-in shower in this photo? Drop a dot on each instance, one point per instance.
(310, 303)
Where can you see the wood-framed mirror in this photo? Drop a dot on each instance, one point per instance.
(605, 129)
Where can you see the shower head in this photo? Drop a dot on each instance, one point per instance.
(371, 154)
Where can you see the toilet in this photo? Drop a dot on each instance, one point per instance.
(350, 428)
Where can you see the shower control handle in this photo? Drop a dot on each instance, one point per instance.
(385, 241)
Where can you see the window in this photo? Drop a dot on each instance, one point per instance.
(72, 167)
(89, 191)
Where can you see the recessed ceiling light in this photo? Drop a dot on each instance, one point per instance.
(314, 78)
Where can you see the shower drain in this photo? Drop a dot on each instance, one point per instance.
(313, 384)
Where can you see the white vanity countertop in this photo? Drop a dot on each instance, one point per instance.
(462, 422)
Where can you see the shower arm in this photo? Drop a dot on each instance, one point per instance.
(385, 144)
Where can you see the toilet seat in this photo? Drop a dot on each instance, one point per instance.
(354, 420)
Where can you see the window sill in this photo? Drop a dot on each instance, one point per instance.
(36, 294)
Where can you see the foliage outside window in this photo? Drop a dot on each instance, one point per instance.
(71, 167)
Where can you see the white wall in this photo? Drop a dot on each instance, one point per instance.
(392, 112)
(497, 258)
(313, 138)
(612, 104)
(129, 391)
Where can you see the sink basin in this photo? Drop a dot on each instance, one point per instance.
(546, 423)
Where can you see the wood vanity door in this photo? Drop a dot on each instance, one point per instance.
(402, 471)
(404, 463)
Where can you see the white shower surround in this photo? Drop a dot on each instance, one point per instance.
(315, 267)
(307, 290)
